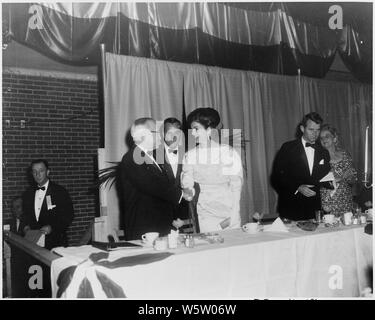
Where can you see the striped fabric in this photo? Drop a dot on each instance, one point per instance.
(89, 279)
(215, 34)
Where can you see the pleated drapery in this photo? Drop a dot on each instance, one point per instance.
(263, 37)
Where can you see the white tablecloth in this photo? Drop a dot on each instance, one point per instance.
(329, 262)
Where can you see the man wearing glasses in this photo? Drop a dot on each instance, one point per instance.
(148, 196)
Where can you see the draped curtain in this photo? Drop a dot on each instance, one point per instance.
(272, 39)
(266, 107)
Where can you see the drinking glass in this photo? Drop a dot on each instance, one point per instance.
(318, 216)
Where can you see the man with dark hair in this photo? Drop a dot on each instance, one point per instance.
(47, 207)
(298, 168)
(170, 156)
(149, 197)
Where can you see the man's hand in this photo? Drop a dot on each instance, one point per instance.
(306, 191)
(188, 194)
(178, 223)
(186, 181)
(46, 229)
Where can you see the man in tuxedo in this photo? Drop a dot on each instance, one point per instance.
(16, 215)
(170, 156)
(47, 207)
(298, 168)
(149, 196)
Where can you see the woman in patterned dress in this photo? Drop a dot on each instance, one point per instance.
(339, 200)
(217, 168)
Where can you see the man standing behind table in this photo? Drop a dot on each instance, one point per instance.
(169, 156)
(47, 207)
(298, 167)
(149, 197)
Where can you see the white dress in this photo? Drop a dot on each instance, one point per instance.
(218, 171)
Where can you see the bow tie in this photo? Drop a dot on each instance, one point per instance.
(40, 188)
(172, 151)
(310, 145)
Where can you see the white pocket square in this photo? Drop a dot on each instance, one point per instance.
(321, 161)
(50, 206)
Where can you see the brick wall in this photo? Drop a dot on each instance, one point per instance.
(61, 125)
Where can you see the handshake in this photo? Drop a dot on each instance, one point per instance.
(187, 184)
(188, 193)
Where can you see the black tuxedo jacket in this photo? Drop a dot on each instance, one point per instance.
(290, 170)
(59, 218)
(148, 198)
(180, 210)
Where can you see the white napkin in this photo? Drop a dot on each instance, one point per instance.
(276, 226)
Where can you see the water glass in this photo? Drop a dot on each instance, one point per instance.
(318, 216)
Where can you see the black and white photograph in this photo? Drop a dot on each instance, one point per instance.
(187, 151)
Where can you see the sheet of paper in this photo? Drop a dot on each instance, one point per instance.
(41, 241)
(35, 236)
(328, 177)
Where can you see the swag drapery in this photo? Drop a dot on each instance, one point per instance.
(264, 37)
(267, 108)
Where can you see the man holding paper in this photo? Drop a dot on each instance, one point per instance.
(47, 209)
(298, 168)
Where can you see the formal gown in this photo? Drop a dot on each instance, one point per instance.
(339, 200)
(218, 171)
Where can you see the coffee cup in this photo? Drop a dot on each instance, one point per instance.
(251, 227)
(329, 218)
(149, 237)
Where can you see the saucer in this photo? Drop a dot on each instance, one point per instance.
(147, 244)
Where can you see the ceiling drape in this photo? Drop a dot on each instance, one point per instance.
(270, 40)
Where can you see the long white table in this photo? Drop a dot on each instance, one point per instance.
(328, 262)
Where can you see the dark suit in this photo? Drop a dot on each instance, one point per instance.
(290, 170)
(13, 226)
(149, 197)
(181, 209)
(59, 218)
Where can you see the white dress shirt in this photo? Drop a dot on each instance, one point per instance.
(39, 198)
(172, 158)
(310, 152)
